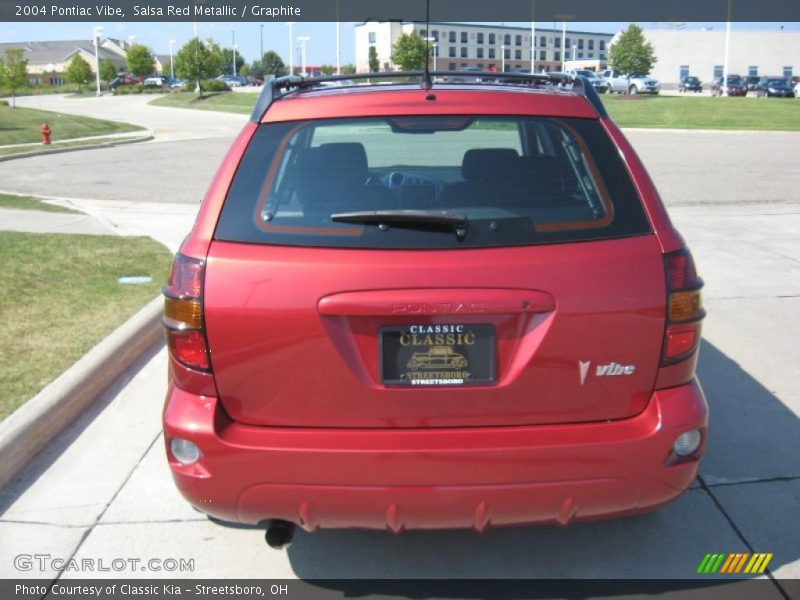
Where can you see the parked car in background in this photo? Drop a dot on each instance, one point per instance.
(177, 83)
(158, 80)
(633, 84)
(401, 314)
(690, 84)
(774, 87)
(735, 86)
(124, 79)
(750, 82)
(597, 82)
(233, 81)
(797, 90)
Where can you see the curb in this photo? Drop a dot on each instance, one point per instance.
(145, 138)
(37, 422)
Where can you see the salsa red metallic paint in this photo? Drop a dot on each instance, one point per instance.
(293, 421)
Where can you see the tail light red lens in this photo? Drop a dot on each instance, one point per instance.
(183, 313)
(684, 307)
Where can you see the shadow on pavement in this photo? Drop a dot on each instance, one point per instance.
(750, 429)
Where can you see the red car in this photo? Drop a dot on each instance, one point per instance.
(355, 236)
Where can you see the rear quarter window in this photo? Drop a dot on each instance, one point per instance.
(517, 181)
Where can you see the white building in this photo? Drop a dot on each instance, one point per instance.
(682, 52)
(461, 45)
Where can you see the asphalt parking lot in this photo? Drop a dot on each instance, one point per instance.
(104, 489)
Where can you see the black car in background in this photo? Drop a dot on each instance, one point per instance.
(735, 87)
(751, 81)
(777, 87)
(690, 84)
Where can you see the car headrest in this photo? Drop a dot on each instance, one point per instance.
(487, 163)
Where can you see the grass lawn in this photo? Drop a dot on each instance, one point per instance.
(777, 114)
(59, 296)
(236, 102)
(23, 125)
(30, 203)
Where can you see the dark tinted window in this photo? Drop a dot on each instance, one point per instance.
(518, 180)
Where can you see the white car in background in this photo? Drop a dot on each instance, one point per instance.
(598, 83)
(634, 84)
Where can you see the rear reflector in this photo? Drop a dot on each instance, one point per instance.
(684, 307)
(680, 341)
(183, 313)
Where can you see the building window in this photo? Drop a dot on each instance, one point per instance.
(591, 54)
(435, 35)
(507, 39)
(684, 72)
(480, 38)
(567, 43)
(543, 41)
(451, 52)
(506, 53)
(423, 33)
(580, 43)
(463, 37)
(491, 53)
(452, 37)
(463, 52)
(518, 40)
(558, 42)
(602, 44)
(480, 66)
(717, 71)
(542, 54)
(602, 57)
(752, 70)
(518, 54)
(371, 37)
(491, 38)
(591, 44)
(480, 53)
(557, 55)
(463, 65)
(451, 66)
(788, 71)
(580, 54)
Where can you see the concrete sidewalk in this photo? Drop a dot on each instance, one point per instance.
(166, 223)
(104, 490)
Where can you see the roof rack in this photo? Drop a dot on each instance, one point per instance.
(282, 86)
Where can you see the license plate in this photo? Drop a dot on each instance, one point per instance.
(437, 355)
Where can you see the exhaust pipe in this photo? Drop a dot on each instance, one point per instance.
(279, 534)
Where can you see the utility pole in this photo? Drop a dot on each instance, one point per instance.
(98, 31)
(261, 43)
(303, 39)
(289, 24)
(724, 85)
(233, 49)
(563, 45)
(171, 62)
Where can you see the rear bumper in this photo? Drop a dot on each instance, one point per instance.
(437, 478)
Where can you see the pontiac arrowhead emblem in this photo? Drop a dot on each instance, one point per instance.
(583, 367)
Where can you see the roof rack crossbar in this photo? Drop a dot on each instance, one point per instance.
(279, 87)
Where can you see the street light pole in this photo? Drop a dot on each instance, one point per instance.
(533, 47)
(563, 45)
(502, 58)
(98, 31)
(171, 62)
(261, 43)
(233, 49)
(291, 53)
(574, 56)
(303, 39)
(338, 46)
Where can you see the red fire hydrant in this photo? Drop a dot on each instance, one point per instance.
(46, 131)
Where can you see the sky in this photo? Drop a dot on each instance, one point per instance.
(321, 48)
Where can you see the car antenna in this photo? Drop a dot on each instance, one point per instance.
(427, 82)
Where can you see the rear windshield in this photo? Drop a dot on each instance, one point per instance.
(512, 180)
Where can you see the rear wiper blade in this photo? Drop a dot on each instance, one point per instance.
(436, 220)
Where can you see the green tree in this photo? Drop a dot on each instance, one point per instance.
(78, 71)
(108, 71)
(227, 61)
(374, 65)
(327, 69)
(244, 70)
(270, 64)
(348, 69)
(13, 72)
(198, 60)
(410, 52)
(631, 53)
(140, 61)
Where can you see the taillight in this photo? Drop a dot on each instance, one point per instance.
(183, 313)
(684, 307)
